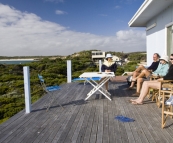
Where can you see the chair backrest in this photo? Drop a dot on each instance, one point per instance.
(41, 78)
(42, 82)
(49, 88)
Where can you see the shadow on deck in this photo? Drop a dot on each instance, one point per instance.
(88, 121)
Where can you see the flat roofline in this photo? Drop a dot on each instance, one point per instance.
(139, 11)
(147, 11)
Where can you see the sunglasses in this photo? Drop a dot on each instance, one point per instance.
(171, 59)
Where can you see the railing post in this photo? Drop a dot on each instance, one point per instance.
(27, 89)
(68, 71)
(100, 65)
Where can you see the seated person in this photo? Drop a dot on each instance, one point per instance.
(155, 84)
(159, 72)
(147, 71)
(108, 66)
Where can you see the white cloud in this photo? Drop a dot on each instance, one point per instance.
(24, 34)
(60, 12)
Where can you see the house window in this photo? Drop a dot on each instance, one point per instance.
(170, 40)
(93, 53)
(99, 53)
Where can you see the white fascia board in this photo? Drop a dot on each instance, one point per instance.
(140, 10)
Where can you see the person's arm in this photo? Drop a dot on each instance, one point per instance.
(153, 66)
(164, 71)
(169, 75)
(103, 67)
(156, 72)
(113, 68)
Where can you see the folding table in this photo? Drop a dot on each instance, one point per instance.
(97, 86)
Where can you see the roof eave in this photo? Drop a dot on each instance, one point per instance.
(138, 13)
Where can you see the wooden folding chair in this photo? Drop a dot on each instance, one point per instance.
(165, 91)
(153, 93)
(49, 90)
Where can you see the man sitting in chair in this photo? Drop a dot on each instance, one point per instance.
(155, 84)
(147, 71)
(159, 72)
(108, 66)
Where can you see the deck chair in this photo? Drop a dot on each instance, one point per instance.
(166, 92)
(83, 79)
(153, 93)
(49, 90)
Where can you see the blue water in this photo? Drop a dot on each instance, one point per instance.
(17, 62)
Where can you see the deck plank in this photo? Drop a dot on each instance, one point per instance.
(90, 124)
(58, 125)
(136, 129)
(91, 121)
(100, 121)
(105, 121)
(93, 137)
(33, 129)
(156, 123)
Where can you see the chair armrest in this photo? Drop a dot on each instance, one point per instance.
(155, 77)
(165, 81)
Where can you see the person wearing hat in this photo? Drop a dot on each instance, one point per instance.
(159, 72)
(108, 66)
(155, 84)
(162, 68)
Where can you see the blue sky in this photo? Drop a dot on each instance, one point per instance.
(63, 27)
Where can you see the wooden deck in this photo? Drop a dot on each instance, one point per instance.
(88, 122)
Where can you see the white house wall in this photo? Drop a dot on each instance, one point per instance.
(156, 41)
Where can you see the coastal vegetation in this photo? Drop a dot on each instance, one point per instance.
(54, 71)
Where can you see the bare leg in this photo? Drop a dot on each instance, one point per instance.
(135, 74)
(139, 84)
(106, 85)
(140, 68)
(144, 91)
(144, 73)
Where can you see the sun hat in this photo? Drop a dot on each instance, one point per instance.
(166, 58)
(108, 56)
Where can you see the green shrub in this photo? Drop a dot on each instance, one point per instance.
(3, 90)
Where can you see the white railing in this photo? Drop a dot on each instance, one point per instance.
(27, 89)
(69, 73)
(27, 83)
(127, 73)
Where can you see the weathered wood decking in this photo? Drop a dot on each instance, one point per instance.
(91, 121)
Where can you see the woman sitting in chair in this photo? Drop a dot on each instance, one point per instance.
(155, 84)
(108, 66)
(159, 72)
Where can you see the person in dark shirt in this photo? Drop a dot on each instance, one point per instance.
(161, 71)
(108, 66)
(155, 84)
(145, 71)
